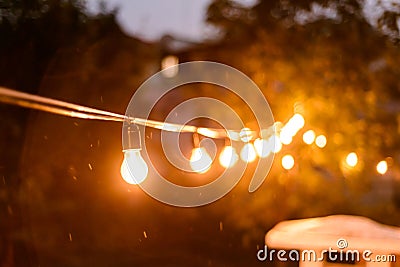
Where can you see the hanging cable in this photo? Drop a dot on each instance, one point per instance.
(26, 100)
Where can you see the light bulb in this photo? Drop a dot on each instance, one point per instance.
(228, 157)
(200, 161)
(320, 141)
(134, 169)
(309, 137)
(263, 147)
(275, 143)
(287, 162)
(382, 167)
(246, 135)
(286, 137)
(248, 153)
(352, 159)
(298, 121)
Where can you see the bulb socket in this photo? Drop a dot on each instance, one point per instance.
(131, 137)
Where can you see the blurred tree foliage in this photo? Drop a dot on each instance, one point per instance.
(342, 74)
(31, 33)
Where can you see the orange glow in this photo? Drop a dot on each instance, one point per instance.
(228, 157)
(200, 161)
(248, 153)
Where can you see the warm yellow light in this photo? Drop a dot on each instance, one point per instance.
(352, 159)
(309, 137)
(286, 137)
(200, 161)
(291, 128)
(287, 162)
(170, 66)
(228, 157)
(248, 153)
(382, 167)
(275, 143)
(298, 121)
(246, 135)
(320, 141)
(134, 169)
(125, 173)
(263, 147)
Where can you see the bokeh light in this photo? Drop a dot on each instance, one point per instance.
(320, 141)
(246, 135)
(309, 137)
(382, 167)
(263, 147)
(275, 143)
(285, 137)
(228, 157)
(352, 159)
(248, 153)
(200, 161)
(287, 162)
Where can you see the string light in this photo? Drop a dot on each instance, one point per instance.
(287, 162)
(228, 157)
(248, 153)
(309, 137)
(200, 161)
(292, 127)
(246, 135)
(77, 111)
(285, 137)
(263, 147)
(277, 145)
(134, 169)
(320, 141)
(382, 167)
(352, 159)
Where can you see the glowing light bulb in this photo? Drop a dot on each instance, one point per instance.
(298, 121)
(263, 147)
(134, 169)
(228, 157)
(382, 167)
(309, 137)
(276, 143)
(320, 141)
(287, 162)
(246, 135)
(200, 161)
(248, 153)
(285, 136)
(352, 159)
